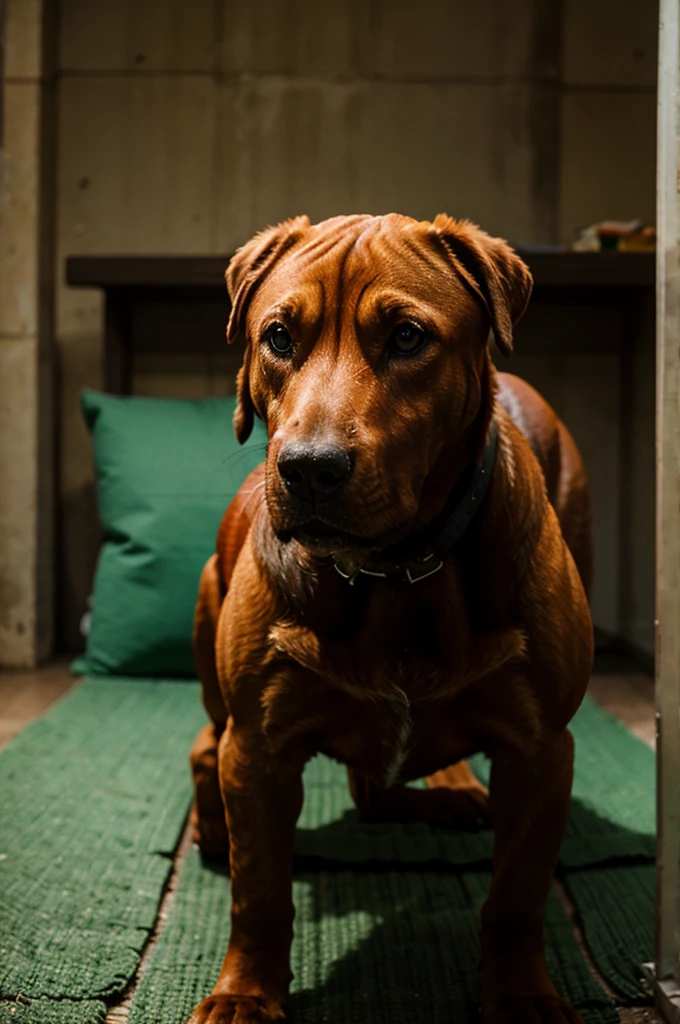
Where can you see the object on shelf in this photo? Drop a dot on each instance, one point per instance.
(623, 236)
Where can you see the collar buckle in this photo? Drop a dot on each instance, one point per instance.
(351, 577)
(412, 574)
(416, 574)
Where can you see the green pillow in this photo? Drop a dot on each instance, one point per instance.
(166, 471)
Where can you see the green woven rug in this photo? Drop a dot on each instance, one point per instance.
(391, 947)
(616, 909)
(93, 798)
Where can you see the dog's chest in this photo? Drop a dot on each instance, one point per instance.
(379, 707)
(394, 743)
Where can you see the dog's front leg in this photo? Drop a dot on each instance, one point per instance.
(529, 802)
(263, 798)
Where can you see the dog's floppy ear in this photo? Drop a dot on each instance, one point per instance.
(246, 271)
(492, 270)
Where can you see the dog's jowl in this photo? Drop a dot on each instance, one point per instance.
(401, 584)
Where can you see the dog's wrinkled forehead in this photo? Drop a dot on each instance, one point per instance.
(347, 233)
(392, 245)
(340, 266)
(348, 246)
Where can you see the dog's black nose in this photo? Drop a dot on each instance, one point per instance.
(314, 471)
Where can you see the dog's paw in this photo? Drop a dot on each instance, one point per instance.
(225, 1009)
(546, 1010)
(210, 835)
(456, 808)
(207, 813)
(458, 799)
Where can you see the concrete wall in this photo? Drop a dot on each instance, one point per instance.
(186, 127)
(26, 266)
(608, 112)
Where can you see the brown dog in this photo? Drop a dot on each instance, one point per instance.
(393, 587)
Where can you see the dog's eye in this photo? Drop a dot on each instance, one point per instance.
(279, 340)
(406, 339)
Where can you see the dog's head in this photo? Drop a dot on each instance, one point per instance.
(366, 356)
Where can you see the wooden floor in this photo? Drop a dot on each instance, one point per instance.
(25, 695)
(625, 693)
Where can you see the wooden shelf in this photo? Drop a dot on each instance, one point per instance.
(550, 268)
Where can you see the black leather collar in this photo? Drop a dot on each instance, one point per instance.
(430, 559)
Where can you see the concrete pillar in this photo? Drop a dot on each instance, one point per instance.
(26, 305)
(665, 973)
